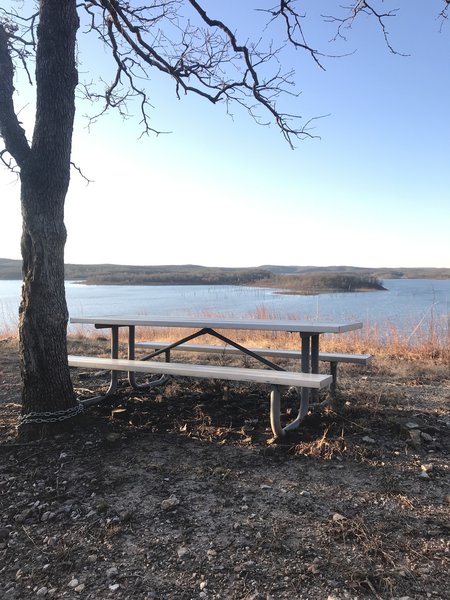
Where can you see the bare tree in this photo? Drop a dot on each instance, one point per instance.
(198, 52)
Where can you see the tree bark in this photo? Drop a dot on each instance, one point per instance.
(45, 174)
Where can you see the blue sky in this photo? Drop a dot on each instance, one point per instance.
(374, 190)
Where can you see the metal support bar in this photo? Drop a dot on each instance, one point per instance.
(314, 362)
(131, 356)
(275, 420)
(168, 348)
(333, 371)
(208, 331)
(306, 367)
(244, 350)
(306, 351)
(114, 374)
(314, 353)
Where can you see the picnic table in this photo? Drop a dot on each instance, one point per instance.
(306, 378)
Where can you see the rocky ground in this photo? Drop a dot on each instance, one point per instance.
(181, 495)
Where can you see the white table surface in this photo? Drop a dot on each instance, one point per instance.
(290, 325)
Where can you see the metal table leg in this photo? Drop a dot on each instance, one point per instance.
(305, 392)
(131, 356)
(315, 361)
(114, 374)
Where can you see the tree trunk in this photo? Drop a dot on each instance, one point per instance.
(48, 399)
(47, 387)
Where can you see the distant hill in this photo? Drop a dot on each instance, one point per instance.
(10, 269)
(324, 282)
(197, 274)
(380, 272)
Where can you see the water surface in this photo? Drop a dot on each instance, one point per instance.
(410, 306)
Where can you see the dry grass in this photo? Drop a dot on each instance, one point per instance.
(426, 342)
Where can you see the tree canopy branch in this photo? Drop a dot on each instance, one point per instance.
(11, 130)
(201, 54)
(363, 7)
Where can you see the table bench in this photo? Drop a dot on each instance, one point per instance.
(331, 357)
(275, 379)
(308, 333)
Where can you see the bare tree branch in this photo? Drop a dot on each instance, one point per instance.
(10, 164)
(444, 12)
(201, 54)
(10, 128)
(77, 168)
(363, 7)
(294, 29)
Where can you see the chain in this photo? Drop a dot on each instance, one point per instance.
(51, 417)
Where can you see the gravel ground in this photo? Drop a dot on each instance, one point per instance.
(181, 494)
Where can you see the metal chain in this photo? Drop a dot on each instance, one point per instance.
(51, 417)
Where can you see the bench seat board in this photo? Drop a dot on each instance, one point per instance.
(362, 359)
(283, 378)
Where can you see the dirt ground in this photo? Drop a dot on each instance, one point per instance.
(182, 495)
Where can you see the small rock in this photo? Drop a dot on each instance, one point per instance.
(314, 566)
(424, 475)
(337, 517)
(52, 541)
(368, 440)
(92, 558)
(114, 587)
(182, 552)
(427, 468)
(211, 554)
(80, 588)
(43, 591)
(203, 585)
(170, 503)
(424, 570)
(47, 516)
(411, 425)
(414, 435)
(73, 583)
(112, 572)
(426, 437)
(22, 516)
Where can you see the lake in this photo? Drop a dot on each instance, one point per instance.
(410, 306)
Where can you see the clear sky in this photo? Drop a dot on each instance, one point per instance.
(373, 191)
